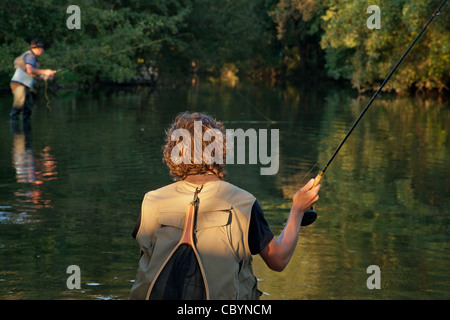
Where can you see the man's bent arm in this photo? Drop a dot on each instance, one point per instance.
(279, 251)
(41, 72)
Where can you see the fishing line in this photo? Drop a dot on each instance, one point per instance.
(46, 95)
(195, 40)
(63, 70)
(255, 108)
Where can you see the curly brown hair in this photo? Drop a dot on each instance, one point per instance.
(186, 121)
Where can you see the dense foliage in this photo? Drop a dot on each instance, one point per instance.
(263, 39)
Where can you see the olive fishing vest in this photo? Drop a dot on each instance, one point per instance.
(222, 236)
(21, 75)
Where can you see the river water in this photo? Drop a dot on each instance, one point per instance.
(71, 186)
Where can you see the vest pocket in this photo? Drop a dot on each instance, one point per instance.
(170, 217)
(211, 219)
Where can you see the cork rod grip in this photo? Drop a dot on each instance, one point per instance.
(317, 180)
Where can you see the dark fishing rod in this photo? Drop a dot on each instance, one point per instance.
(310, 216)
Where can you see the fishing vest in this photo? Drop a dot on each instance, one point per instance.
(21, 75)
(222, 237)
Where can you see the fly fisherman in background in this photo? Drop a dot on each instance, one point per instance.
(27, 69)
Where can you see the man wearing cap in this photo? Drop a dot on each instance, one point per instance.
(27, 69)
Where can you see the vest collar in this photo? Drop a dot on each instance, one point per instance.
(201, 178)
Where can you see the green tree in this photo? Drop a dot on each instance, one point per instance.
(228, 32)
(114, 38)
(298, 30)
(365, 56)
(293, 38)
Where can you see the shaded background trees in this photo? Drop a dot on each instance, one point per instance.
(261, 39)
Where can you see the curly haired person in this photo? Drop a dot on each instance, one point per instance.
(231, 227)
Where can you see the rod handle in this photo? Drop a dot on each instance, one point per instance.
(317, 180)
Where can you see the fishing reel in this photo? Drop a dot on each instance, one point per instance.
(309, 217)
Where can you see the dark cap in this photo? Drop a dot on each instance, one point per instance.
(36, 44)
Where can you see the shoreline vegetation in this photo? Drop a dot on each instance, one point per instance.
(138, 43)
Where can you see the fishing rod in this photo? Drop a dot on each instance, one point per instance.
(310, 216)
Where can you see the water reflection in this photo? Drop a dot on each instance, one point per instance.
(31, 171)
(384, 202)
(385, 198)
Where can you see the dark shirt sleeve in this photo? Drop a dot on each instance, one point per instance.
(259, 233)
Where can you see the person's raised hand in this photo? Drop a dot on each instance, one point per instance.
(305, 197)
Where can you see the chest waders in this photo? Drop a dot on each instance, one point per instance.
(182, 276)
